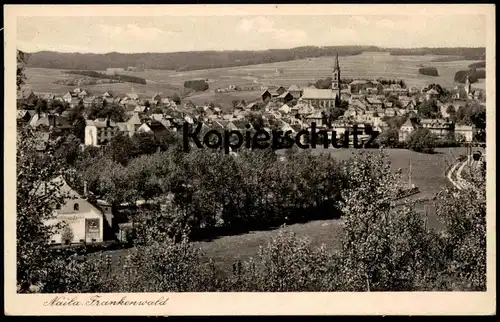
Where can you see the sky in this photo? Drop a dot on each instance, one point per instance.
(252, 32)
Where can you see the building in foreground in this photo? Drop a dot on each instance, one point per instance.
(82, 221)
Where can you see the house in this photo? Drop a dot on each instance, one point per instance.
(280, 90)
(285, 97)
(48, 97)
(266, 96)
(465, 133)
(153, 127)
(406, 130)
(413, 90)
(107, 94)
(285, 109)
(319, 98)
(359, 85)
(374, 103)
(439, 127)
(352, 111)
(23, 117)
(295, 91)
(390, 112)
(82, 221)
(26, 97)
(139, 108)
(88, 101)
(431, 94)
(133, 96)
(409, 105)
(156, 98)
(74, 102)
(83, 94)
(100, 131)
(401, 111)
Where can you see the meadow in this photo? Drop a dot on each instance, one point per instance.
(301, 72)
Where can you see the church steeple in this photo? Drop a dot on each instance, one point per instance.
(336, 76)
(467, 86)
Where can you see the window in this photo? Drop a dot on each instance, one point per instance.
(76, 206)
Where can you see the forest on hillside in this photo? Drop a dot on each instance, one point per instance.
(194, 60)
(467, 53)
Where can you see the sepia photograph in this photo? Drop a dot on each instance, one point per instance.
(231, 150)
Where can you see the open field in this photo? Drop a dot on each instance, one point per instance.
(428, 173)
(300, 72)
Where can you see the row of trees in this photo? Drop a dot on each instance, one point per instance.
(182, 61)
(466, 52)
(384, 246)
(122, 78)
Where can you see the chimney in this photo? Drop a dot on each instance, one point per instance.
(53, 120)
(85, 188)
(108, 122)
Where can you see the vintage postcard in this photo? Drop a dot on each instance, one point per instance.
(249, 160)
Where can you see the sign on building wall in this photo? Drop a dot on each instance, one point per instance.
(92, 228)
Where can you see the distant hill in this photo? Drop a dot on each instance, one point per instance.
(194, 60)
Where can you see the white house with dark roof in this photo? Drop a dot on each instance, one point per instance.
(82, 220)
(406, 130)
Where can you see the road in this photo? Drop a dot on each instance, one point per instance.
(455, 174)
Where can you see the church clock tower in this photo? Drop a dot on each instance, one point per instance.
(336, 78)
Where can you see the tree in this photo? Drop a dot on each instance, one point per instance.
(176, 98)
(451, 111)
(388, 138)
(36, 200)
(79, 128)
(41, 107)
(383, 247)
(422, 140)
(69, 151)
(67, 234)
(22, 60)
(463, 214)
(428, 109)
(121, 149)
(145, 143)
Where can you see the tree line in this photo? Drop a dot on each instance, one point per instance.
(117, 77)
(469, 53)
(182, 61)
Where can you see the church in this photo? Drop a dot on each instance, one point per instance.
(324, 98)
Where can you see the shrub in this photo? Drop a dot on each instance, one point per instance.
(287, 264)
(422, 140)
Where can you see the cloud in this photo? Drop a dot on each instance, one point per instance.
(361, 20)
(265, 26)
(30, 46)
(385, 23)
(132, 31)
(339, 36)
